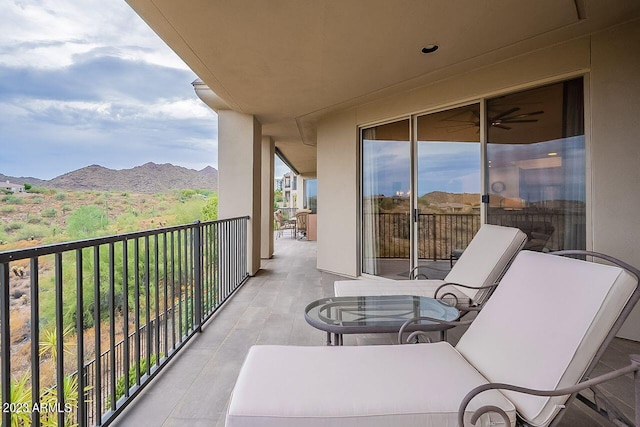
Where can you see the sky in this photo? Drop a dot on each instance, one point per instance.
(88, 82)
(442, 166)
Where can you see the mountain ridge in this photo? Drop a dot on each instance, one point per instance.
(147, 178)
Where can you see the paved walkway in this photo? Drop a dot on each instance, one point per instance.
(269, 309)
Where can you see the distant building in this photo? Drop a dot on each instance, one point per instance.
(290, 189)
(15, 188)
(277, 186)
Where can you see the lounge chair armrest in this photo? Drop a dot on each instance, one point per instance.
(444, 285)
(414, 275)
(406, 324)
(634, 366)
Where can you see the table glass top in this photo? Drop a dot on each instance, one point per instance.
(376, 313)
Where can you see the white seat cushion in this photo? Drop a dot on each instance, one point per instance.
(543, 326)
(409, 385)
(481, 264)
(486, 259)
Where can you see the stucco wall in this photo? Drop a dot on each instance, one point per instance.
(615, 107)
(609, 60)
(239, 157)
(338, 194)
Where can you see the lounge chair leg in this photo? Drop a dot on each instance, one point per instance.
(328, 338)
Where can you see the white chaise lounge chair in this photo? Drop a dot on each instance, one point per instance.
(544, 328)
(474, 274)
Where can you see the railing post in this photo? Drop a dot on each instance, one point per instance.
(197, 274)
(433, 236)
(5, 343)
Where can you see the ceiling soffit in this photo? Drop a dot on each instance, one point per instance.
(290, 61)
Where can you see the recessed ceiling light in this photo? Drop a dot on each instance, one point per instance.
(552, 154)
(430, 48)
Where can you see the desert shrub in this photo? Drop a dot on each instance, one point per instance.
(13, 226)
(38, 190)
(66, 207)
(60, 196)
(12, 200)
(210, 208)
(37, 200)
(34, 220)
(189, 211)
(32, 231)
(49, 213)
(7, 209)
(206, 193)
(186, 194)
(87, 221)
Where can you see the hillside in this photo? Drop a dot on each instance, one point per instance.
(439, 197)
(23, 180)
(149, 178)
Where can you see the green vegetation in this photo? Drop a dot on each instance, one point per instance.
(49, 213)
(71, 215)
(210, 209)
(86, 221)
(13, 226)
(39, 190)
(12, 200)
(132, 374)
(27, 186)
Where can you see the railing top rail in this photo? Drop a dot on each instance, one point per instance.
(18, 254)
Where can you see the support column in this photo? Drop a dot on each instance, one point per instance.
(268, 153)
(239, 175)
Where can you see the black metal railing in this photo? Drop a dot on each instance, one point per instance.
(102, 316)
(438, 235)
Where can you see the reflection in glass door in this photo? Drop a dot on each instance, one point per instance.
(448, 185)
(536, 165)
(386, 180)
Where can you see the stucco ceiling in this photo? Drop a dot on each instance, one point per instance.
(288, 62)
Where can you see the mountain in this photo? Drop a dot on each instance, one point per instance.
(23, 180)
(148, 178)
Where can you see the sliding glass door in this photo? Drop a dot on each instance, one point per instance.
(448, 185)
(423, 179)
(386, 191)
(537, 165)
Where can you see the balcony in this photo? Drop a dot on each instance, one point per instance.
(190, 379)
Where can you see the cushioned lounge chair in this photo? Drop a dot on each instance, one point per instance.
(473, 276)
(544, 328)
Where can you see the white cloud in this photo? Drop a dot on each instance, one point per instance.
(177, 109)
(44, 34)
(180, 109)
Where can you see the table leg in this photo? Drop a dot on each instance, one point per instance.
(443, 335)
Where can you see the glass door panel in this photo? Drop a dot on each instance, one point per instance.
(448, 186)
(386, 219)
(536, 165)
